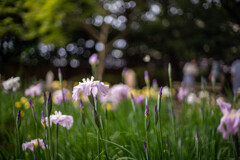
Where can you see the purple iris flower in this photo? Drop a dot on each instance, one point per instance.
(30, 102)
(93, 60)
(146, 76)
(140, 99)
(146, 111)
(160, 91)
(81, 103)
(145, 146)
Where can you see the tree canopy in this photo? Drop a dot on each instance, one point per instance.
(178, 30)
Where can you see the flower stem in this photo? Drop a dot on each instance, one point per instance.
(56, 151)
(234, 139)
(63, 99)
(171, 100)
(98, 144)
(148, 146)
(15, 129)
(160, 121)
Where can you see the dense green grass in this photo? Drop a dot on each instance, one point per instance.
(123, 132)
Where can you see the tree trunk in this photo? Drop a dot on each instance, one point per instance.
(102, 54)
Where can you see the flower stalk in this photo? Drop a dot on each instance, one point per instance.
(171, 100)
(147, 81)
(234, 139)
(133, 103)
(147, 127)
(197, 145)
(60, 77)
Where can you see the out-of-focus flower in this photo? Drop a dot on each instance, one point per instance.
(145, 146)
(34, 90)
(88, 87)
(23, 100)
(18, 122)
(165, 91)
(146, 77)
(33, 144)
(167, 143)
(58, 96)
(22, 103)
(60, 75)
(147, 118)
(140, 99)
(192, 98)
(155, 83)
(93, 60)
(124, 71)
(26, 105)
(160, 91)
(22, 113)
(57, 84)
(119, 91)
(203, 95)
(197, 137)
(230, 121)
(146, 111)
(108, 106)
(30, 103)
(18, 104)
(182, 93)
(12, 84)
(115, 94)
(63, 120)
(18, 114)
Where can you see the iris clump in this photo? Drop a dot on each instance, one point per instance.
(102, 122)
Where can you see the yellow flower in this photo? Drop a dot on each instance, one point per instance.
(23, 100)
(56, 85)
(108, 106)
(22, 113)
(26, 105)
(18, 104)
(64, 84)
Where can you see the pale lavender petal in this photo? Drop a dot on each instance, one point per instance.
(225, 107)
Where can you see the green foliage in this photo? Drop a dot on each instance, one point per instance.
(124, 131)
(11, 17)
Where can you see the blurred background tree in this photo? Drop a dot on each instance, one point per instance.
(124, 33)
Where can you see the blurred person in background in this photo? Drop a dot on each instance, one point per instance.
(216, 71)
(190, 71)
(236, 75)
